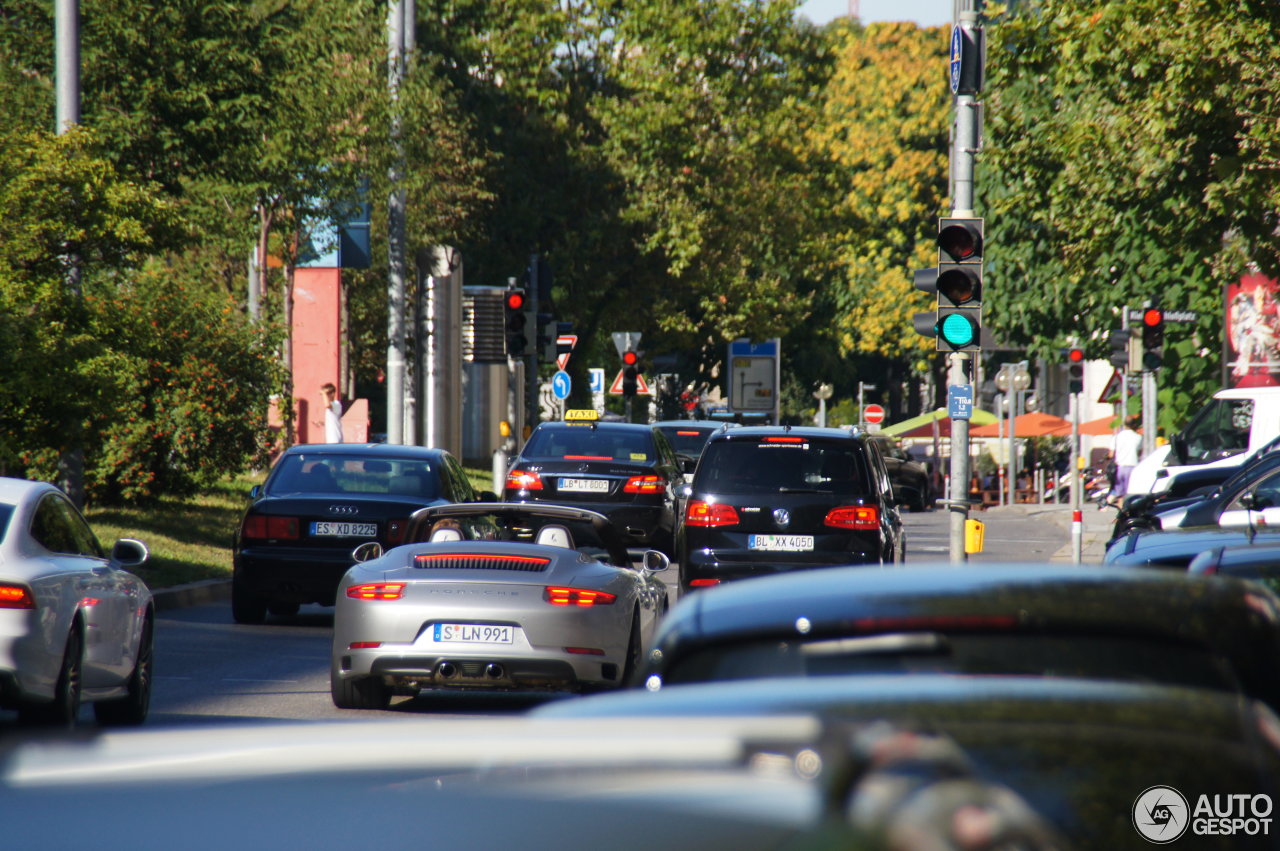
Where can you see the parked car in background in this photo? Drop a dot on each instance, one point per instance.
(1008, 619)
(910, 478)
(768, 499)
(688, 437)
(1175, 549)
(75, 624)
(531, 606)
(626, 471)
(319, 501)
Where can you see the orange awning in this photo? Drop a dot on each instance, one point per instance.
(1034, 424)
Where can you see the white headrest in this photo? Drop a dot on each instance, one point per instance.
(446, 533)
(554, 536)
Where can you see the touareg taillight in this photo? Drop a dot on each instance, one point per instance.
(700, 513)
(853, 517)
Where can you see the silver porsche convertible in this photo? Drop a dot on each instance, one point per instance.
(494, 596)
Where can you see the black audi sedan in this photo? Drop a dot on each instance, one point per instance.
(768, 499)
(625, 471)
(318, 503)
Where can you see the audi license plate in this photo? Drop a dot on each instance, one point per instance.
(473, 633)
(585, 485)
(791, 543)
(344, 529)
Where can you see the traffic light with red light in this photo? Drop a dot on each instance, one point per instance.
(1152, 338)
(515, 308)
(630, 373)
(1075, 371)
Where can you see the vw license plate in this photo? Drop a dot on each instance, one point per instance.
(332, 528)
(585, 485)
(473, 633)
(791, 543)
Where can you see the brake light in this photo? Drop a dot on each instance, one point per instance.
(364, 645)
(703, 583)
(684, 433)
(584, 651)
(588, 457)
(853, 517)
(377, 591)
(577, 597)
(16, 597)
(710, 514)
(523, 481)
(644, 484)
(270, 526)
(784, 440)
(396, 529)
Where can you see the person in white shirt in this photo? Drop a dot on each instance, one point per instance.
(332, 413)
(1128, 445)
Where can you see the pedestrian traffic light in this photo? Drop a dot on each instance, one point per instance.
(1152, 338)
(956, 283)
(630, 373)
(1075, 371)
(1119, 348)
(515, 308)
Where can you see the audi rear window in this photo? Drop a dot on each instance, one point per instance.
(782, 464)
(324, 474)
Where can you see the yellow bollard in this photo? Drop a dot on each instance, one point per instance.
(974, 530)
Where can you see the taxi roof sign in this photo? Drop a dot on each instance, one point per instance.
(581, 415)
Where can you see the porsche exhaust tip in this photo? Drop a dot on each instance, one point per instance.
(447, 670)
(493, 671)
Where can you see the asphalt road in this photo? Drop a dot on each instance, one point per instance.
(211, 670)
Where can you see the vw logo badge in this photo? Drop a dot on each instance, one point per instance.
(781, 516)
(343, 509)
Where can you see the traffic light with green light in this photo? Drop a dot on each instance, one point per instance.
(956, 321)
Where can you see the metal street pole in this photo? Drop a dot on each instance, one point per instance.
(396, 250)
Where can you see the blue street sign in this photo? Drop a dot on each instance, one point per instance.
(960, 401)
(957, 54)
(746, 349)
(561, 384)
(597, 379)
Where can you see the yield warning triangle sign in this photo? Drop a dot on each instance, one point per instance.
(642, 386)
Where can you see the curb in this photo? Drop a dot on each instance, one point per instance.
(192, 594)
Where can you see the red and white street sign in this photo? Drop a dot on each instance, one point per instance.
(642, 386)
(570, 340)
(873, 414)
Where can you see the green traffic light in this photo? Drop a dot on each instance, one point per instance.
(957, 330)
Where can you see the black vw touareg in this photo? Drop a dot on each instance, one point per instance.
(767, 499)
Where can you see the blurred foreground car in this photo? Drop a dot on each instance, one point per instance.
(75, 625)
(1081, 753)
(625, 471)
(768, 499)
(531, 609)
(747, 784)
(1042, 620)
(295, 539)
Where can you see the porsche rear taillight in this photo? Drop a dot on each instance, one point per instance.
(16, 597)
(523, 480)
(701, 513)
(644, 484)
(703, 583)
(866, 517)
(581, 597)
(264, 526)
(377, 591)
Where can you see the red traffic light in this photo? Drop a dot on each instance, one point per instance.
(1152, 317)
(515, 300)
(1076, 355)
(629, 358)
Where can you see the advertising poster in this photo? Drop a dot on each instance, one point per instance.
(1253, 332)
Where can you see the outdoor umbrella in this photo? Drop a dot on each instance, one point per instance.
(922, 426)
(1035, 424)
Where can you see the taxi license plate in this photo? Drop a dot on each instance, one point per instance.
(791, 543)
(585, 485)
(330, 528)
(472, 633)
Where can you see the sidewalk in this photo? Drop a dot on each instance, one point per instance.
(1096, 526)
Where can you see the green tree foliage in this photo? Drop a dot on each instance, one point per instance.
(1131, 154)
(884, 123)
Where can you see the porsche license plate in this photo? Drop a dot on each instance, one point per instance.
(791, 543)
(344, 529)
(585, 485)
(473, 633)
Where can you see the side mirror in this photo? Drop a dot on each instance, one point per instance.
(255, 491)
(127, 552)
(367, 551)
(655, 561)
(685, 491)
